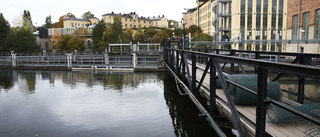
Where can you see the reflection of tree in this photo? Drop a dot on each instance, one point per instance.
(30, 79)
(6, 80)
(183, 113)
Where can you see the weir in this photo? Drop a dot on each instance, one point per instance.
(199, 72)
(116, 56)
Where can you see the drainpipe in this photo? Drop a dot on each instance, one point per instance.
(299, 26)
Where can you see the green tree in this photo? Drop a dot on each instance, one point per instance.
(4, 31)
(48, 22)
(27, 22)
(177, 32)
(61, 45)
(159, 37)
(87, 15)
(169, 32)
(175, 24)
(193, 29)
(151, 32)
(21, 41)
(139, 35)
(97, 33)
(117, 28)
(203, 37)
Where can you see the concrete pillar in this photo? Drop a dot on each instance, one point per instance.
(44, 53)
(134, 60)
(106, 58)
(14, 59)
(69, 59)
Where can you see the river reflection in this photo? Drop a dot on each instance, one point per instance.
(43, 103)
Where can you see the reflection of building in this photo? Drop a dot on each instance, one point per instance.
(132, 20)
(189, 17)
(78, 22)
(308, 16)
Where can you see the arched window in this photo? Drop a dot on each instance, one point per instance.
(47, 45)
(89, 44)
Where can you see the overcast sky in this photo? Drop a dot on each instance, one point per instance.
(40, 9)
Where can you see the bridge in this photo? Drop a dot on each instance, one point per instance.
(207, 74)
(116, 56)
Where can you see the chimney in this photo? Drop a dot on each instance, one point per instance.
(159, 16)
(112, 12)
(153, 16)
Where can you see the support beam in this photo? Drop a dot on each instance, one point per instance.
(261, 107)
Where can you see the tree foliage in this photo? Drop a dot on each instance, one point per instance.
(117, 28)
(56, 37)
(4, 29)
(175, 24)
(97, 33)
(193, 29)
(20, 41)
(159, 37)
(69, 43)
(87, 15)
(27, 22)
(48, 22)
(139, 35)
(151, 32)
(68, 15)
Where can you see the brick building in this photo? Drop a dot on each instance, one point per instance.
(303, 24)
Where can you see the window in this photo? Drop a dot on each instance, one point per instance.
(317, 25)
(130, 20)
(135, 26)
(190, 19)
(186, 19)
(190, 14)
(47, 45)
(191, 23)
(186, 23)
(126, 25)
(305, 26)
(130, 25)
(89, 44)
(295, 27)
(126, 19)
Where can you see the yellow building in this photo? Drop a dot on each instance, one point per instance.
(205, 16)
(78, 22)
(254, 20)
(132, 20)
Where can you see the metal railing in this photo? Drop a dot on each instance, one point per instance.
(177, 59)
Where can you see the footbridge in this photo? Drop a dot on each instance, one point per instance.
(252, 101)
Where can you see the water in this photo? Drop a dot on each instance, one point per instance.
(108, 104)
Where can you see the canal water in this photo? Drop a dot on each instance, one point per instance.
(96, 104)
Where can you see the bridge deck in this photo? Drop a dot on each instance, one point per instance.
(249, 112)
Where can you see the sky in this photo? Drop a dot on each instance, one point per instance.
(40, 9)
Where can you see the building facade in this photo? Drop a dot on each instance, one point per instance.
(132, 20)
(78, 22)
(257, 21)
(188, 17)
(205, 16)
(303, 25)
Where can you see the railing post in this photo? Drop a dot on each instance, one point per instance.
(261, 105)
(183, 67)
(301, 89)
(212, 86)
(177, 64)
(194, 70)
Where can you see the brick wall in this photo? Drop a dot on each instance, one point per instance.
(306, 6)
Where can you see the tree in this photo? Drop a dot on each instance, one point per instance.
(177, 32)
(21, 41)
(203, 37)
(68, 15)
(48, 22)
(169, 32)
(159, 37)
(55, 38)
(175, 24)
(151, 32)
(87, 15)
(117, 28)
(27, 22)
(97, 33)
(139, 35)
(193, 29)
(4, 31)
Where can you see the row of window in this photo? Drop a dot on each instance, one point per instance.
(126, 19)
(305, 25)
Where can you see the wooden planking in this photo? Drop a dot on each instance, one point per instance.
(289, 130)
